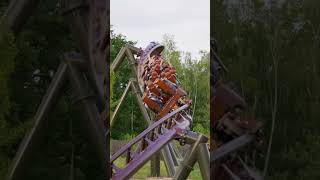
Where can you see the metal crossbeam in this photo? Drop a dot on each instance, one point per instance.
(230, 147)
(163, 136)
(89, 23)
(159, 134)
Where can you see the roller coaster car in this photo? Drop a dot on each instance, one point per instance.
(231, 131)
(162, 92)
(228, 106)
(152, 103)
(225, 100)
(170, 104)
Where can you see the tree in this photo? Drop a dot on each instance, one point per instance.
(193, 74)
(254, 48)
(129, 117)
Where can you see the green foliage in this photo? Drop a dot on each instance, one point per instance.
(298, 156)
(129, 121)
(194, 76)
(7, 53)
(288, 35)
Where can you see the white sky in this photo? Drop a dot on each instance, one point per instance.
(144, 21)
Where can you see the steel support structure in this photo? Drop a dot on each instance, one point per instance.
(88, 72)
(199, 149)
(197, 152)
(28, 144)
(133, 86)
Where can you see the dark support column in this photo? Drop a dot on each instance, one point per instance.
(140, 103)
(173, 153)
(189, 159)
(203, 161)
(28, 144)
(155, 165)
(92, 119)
(167, 158)
(18, 13)
(76, 13)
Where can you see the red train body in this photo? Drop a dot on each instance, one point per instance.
(158, 79)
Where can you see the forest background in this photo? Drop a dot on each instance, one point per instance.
(272, 51)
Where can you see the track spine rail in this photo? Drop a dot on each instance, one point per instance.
(151, 140)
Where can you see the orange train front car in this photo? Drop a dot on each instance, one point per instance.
(162, 92)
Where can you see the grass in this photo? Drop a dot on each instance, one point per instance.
(144, 172)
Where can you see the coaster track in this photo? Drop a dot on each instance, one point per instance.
(163, 96)
(150, 141)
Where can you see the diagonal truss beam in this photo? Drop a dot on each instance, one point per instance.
(178, 170)
(128, 52)
(115, 113)
(131, 86)
(31, 139)
(230, 147)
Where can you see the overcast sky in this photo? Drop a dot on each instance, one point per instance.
(148, 20)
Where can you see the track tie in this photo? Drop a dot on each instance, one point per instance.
(149, 141)
(165, 130)
(177, 123)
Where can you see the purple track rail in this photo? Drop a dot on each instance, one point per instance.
(162, 131)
